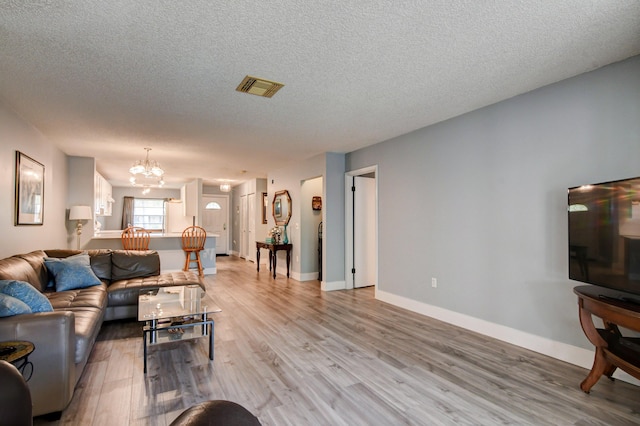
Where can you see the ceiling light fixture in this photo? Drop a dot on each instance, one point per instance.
(147, 167)
(225, 187)
(149, 170)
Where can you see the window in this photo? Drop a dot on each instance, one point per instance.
(212, 205)
(148, 213)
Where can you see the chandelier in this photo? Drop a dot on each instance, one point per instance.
(150, 171)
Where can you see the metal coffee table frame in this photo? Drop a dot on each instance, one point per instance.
(174, 311)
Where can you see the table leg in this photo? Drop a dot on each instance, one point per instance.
(23, 367)
(258, 258)
(275, 262)
(154, 333)
(600, 366)
(270, 259)
(211, 342)
(144, 337)
(288, 261)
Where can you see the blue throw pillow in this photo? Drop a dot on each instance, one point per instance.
(72, 273)
(10, 306)
(26, 293)
(79, 257)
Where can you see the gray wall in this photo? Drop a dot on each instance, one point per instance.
(480, 201)
(16, 134)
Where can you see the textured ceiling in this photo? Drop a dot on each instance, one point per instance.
(107, 78)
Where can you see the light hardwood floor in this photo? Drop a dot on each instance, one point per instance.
(294, 355)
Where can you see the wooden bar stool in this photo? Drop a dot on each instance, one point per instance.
(134, 238)
(193, 239)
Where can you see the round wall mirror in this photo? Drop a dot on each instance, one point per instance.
(281, 208)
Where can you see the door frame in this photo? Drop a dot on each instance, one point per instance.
(348, 224)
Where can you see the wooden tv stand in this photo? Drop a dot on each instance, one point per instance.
(613, 350)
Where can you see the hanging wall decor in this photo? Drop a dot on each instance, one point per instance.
(316, 203)
(29, 191)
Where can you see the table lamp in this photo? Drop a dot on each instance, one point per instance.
(80, 213)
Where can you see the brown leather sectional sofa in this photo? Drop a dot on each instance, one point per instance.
(64, 338)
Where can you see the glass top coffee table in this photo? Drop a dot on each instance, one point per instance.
(175, 313)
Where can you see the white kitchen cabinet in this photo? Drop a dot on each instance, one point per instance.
(191, 193)
(103, 196)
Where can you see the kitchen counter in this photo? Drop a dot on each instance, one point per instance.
(167, 244)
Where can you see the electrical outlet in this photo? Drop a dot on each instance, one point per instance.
(434, 282)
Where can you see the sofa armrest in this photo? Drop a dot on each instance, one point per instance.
(53, 335)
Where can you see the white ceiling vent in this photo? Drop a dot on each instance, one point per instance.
(259, 86)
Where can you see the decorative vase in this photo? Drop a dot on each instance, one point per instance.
(285, 237)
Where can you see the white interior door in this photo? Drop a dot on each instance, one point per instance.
(215, 219)
(251, 226)
(244, 243)
(364, 232)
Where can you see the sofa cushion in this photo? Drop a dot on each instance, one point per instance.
(87, 323)
(101, 263)
(90, 297)
(17, 268)
(36, 260)
(10, 306)
(26, 293)
(77, 256)
(100, 259)
(72, 273)
(134, 264)
(125, 292)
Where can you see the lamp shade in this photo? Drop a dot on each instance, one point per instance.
(80, 213)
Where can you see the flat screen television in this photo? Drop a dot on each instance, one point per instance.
(604, 235)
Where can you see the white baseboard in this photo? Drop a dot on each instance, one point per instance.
(309, 276)
(333, 285)
(562, 351)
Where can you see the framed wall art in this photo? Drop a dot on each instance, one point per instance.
(29, 193)
(265, 203)
(316, 203)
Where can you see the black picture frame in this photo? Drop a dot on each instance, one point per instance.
(265, 202)
(29, 191)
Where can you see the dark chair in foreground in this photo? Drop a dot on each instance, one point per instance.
(216, 413)
(15, 398)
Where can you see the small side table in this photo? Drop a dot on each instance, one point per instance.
(18, 352)
(273, 251)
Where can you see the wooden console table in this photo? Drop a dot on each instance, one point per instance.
(613, 350)
(273, 250)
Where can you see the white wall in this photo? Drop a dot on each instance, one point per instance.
(81, 189)
(480, 203)
(309, 221)
(17, 134)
